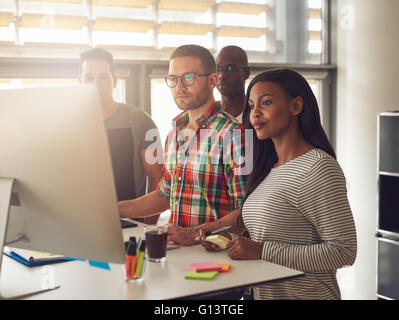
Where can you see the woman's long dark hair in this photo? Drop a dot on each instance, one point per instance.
(264, 154)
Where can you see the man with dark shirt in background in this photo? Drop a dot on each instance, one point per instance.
(126, 127)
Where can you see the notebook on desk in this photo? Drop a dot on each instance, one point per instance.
(34, 259)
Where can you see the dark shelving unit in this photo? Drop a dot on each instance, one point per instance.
(388, 206)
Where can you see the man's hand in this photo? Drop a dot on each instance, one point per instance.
(241, 248)
(182, 236)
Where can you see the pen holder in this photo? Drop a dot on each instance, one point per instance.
(136, 264)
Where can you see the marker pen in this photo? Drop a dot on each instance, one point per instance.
(131, 260)
(126, 245)
(133, 239)
(217, 230)
(140, 259)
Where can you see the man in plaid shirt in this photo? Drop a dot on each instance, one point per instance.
(204, 173)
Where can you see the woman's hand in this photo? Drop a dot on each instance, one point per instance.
(241, 248)
(182, 236)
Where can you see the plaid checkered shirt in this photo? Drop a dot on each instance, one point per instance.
(202, 175)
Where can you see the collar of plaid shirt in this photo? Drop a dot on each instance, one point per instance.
(209, 115)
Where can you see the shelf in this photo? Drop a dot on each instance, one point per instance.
(168, 27)
(243, 8)
(31, 20)
(186, 5)
(389, 113)
(381, 297)
(244, 32)
(387, 269)
(387, 236)
(388, 141)
(123, 3)
(391, 239)
(388, 202)
(391, 174)
(122, 25)
(6, 18)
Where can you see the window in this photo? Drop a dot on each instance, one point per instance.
(272, 31)
(142, 34)
(128, 26)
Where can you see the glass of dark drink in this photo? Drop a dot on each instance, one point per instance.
(156, 239)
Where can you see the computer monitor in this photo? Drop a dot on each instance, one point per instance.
(54, 155)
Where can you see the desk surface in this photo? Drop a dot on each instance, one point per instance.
(79, 280)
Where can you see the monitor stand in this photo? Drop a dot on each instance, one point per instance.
(6, 188)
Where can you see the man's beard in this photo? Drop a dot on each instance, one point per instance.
(197, 100)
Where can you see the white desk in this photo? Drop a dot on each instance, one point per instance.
(79, 280)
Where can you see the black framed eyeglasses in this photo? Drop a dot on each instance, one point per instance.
(229, 68)
(188, 79)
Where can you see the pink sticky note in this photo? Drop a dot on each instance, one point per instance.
(205, 266)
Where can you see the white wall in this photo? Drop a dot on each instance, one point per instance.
(367, 83)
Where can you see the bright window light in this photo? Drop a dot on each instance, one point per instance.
(176, 40)
(315, 24)
(123, 38)
(123, 13)
(53, 35)
(7, 33)
(315, 46)
(244, 1)
(6, 5)
(241, 20)
(251, 44)
(314, 4)
(185, 16)
(205, 18)
(119, 92)
(163, 108)
(48, 7)
(315, 85)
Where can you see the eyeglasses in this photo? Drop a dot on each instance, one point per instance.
(188, 79)
(229, 68)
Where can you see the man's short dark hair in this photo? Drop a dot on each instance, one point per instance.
(203, 54)
(97, 54)
(240, 54)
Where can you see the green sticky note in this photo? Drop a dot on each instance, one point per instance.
(209, 275)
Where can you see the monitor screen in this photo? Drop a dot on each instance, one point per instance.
(54, 144)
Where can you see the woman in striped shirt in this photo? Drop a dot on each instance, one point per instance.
(296, 208)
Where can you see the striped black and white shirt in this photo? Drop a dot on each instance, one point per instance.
(302, 215)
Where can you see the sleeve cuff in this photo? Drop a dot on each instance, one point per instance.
(162, 191)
